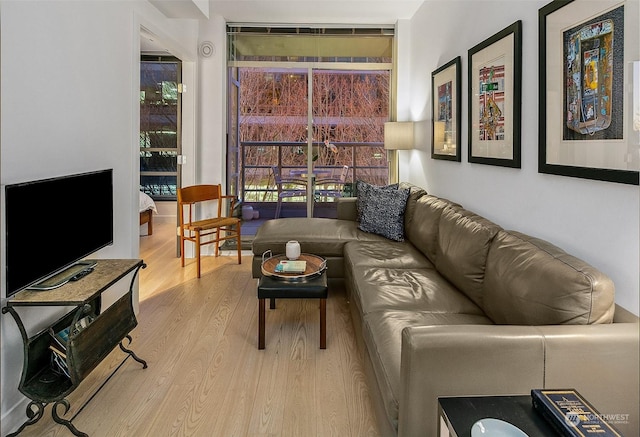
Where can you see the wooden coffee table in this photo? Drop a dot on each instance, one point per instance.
(312, 284)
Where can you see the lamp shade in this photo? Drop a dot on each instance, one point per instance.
(398, 135)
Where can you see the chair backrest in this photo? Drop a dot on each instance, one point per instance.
(189, 196)
(344, 173)
(199, 193)
(277, 176)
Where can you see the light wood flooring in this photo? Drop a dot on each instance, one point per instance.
(206, 376)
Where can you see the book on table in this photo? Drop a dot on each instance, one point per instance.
(289, 266)
(570, 413)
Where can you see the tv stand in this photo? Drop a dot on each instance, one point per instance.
(86, 347)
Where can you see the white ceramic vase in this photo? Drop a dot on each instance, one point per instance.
(247, 212)
(293, 250)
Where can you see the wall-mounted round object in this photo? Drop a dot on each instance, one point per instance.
(207, 49)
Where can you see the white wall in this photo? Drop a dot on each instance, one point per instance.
(596, 221)
(70, 103)
(212, 105)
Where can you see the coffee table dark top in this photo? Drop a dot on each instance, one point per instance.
(314, 288)
(463, 412)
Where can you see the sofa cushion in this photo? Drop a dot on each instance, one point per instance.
(383, 212)
(363, 191)
(423, 232)
(415, 193)
(388, 254)
(346, 208)
(401, 289)
(461, 253)
(382, 334)
(320, 236)
(532, 282)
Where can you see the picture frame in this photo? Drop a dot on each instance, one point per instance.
(446, 99)
(495, 99)
(585, 114)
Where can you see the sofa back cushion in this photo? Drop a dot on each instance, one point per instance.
(346, 208)
(422, 231)
(529, 281)
(415, 193)
(461, 253)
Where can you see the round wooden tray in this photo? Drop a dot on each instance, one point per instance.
(316, 266)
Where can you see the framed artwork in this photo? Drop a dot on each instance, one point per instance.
(495, 93)
(445, 107)
(586, 127)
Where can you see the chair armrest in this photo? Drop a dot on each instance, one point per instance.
(503, 359)
(326, 181)
(294, 181)
(601, 362)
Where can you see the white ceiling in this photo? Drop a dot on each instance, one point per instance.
(315, 11)
(287, 12)
(293, 11)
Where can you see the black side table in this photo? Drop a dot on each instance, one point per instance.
(458, 414)
(272, 289)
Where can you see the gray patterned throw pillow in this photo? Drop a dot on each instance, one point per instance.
(383, 212)
(363, 191)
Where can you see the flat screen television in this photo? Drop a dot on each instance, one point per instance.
(51, 224)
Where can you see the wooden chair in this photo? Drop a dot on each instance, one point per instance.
(207, 230)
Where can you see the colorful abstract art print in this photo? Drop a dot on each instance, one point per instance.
(491, 103)
(445, 109)
(593, 53)
(585, 51)
(444, 101)
(495, 91)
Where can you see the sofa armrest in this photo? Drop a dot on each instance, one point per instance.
(464, 360)
(602, 363)
(347, 209)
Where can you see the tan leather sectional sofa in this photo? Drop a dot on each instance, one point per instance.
(464, 307)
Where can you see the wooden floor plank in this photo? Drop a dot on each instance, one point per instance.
(300, 414)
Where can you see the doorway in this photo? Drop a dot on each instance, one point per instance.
(160, 126)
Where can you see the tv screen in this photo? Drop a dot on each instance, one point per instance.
(50, 224)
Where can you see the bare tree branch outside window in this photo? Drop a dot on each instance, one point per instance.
(349, 111)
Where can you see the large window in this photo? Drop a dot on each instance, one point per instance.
(159, 126)
(349, 110)
(333, 83)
